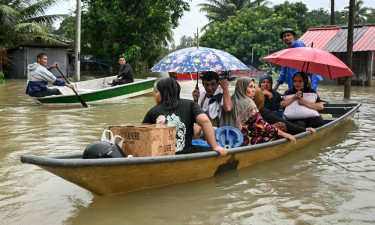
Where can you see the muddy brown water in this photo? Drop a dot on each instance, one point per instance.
(329, 182)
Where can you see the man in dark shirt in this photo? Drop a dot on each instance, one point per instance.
(125, 74)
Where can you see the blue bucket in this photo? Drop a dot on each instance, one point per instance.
(228, 137)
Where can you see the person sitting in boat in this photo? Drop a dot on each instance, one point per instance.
(246, 117)
(272, 98)
(38, 76)
(182, 113)
(215, 97)
(302, 103)
(275, 120)
(125, 75)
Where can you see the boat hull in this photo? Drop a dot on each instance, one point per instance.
(184, 76)
(106, 94)
(113, 176)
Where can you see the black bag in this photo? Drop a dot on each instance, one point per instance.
(104, 148)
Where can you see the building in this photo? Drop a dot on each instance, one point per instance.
(333, 39)
(24, 54)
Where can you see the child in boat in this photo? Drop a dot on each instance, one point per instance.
(246, 117)
(182, 113)
(307, 115)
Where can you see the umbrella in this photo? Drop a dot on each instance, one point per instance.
(311, 60)
(198, 59)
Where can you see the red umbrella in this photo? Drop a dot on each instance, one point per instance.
(311, 60)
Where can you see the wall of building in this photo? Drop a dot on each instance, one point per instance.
(54, 55)
(362, 67)
(18, 65)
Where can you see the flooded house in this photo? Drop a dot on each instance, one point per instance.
(333, 39)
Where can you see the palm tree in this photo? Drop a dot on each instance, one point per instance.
(25, 21)
(220, 10)
(361, 13)
(257, 3)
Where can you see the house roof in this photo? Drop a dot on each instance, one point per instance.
(334, 38)
(40, 45)
(319, 36)
(367, 41)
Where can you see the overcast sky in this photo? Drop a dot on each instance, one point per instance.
(195, 19)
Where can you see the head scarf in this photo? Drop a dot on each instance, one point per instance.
(243, 106)
(265, 76)
(259, 98)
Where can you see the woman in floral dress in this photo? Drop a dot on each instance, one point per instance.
(246, 117)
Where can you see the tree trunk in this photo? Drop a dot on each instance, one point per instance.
(332, 12)
(349, 49)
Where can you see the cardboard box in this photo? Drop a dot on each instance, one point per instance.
(147, 139)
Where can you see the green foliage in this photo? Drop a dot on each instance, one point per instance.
(253, 31)
(137, 29)
(186, 42)
(25, 21)
(362, 14)
(221, 10)
(1, 78)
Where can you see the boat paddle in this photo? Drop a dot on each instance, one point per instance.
(79, 97)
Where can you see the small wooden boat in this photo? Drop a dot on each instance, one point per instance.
(98, 90)
(119, 175)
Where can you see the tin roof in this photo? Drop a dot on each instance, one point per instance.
(339, 42)
(319, 36)
(367, 41)
(334, 38)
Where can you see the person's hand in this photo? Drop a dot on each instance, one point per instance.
(55, 64)
(268, 93)
(297, 95)
(222, 151)
(224, 84)
(291, 138)
(116, 79)
(70, 86)
(196, 94)
(301, 101)
(313, 131)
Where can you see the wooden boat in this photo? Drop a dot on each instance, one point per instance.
(119, 175)
(184, 76)
(98, 90)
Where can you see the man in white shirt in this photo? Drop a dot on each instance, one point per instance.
(214, 99)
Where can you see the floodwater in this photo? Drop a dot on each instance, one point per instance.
(329, 182)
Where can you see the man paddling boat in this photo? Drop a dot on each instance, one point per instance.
(38, 76)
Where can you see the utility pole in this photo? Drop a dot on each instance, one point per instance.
(349, 48)
(332, 12)
(77, 70)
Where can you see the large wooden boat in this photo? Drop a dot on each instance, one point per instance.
(98, 90)
(119, 175)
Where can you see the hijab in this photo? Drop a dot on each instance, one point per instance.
(243, 106)
(265, 76)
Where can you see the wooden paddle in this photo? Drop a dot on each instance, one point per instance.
(79, 97)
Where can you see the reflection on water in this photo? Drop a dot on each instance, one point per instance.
(328, 182)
